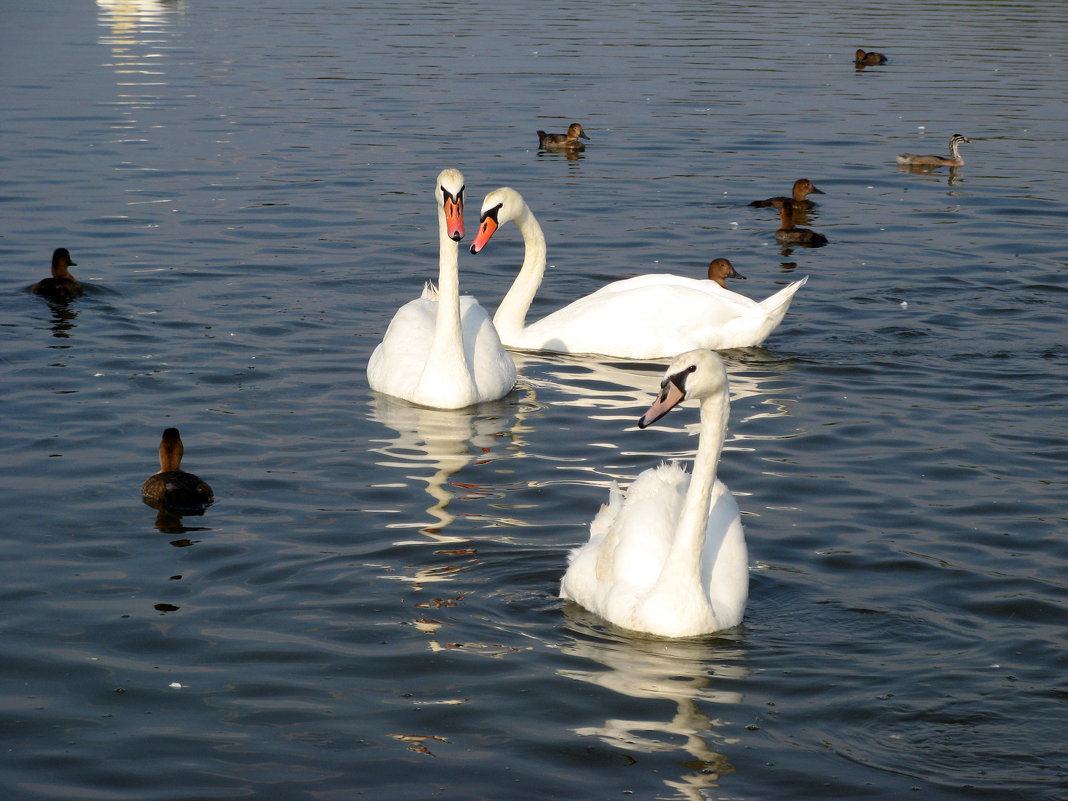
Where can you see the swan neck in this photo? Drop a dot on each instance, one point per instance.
(693, 521)
(448, 339)
(511, 315)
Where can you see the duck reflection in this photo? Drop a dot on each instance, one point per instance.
(169, 521)
(64, 315)
(438, 443)
(683, 672)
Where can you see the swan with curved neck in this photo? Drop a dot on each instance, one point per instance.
(647, 317)
(671, 558)
(441, 349)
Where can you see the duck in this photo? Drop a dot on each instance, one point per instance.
(568, 141)
(652, 316)
(803, 187)
(862, 59)
(789, 234)
(952, 160)
(441, 350)
(719, 270)
(670, 558)
(62, 285)
(172, 487)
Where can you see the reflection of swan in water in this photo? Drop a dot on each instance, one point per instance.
(682, 672)
(443, 440)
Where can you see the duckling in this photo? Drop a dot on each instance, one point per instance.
(863, 59)
(62, 285)
(952, 160)
(568, 141)
(172, 487)
(788, 234)
(802, 189)
(719, 270)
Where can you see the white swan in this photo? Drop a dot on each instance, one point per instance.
(648, 317)
(670, 559)
(441, 350)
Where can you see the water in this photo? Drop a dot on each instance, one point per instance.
(369, 610)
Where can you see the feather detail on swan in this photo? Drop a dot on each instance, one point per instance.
(441, 350)
(646, 317)
(670, 558)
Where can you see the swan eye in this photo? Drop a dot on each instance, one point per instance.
(491, 213)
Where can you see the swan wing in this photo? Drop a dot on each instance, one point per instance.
(397, 363)
(642, 321)
(629, 540)
(493, 368)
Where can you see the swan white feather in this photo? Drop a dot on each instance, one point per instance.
(441, 349)
(647, 317)
(670, 558)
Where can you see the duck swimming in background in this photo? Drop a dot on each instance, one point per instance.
(802, 189)
(441, 349)
(670, 558)
(789, 234)
(719, 270)
(646, 317)
(952, 160)
(62, 284)
(172, 487)
(863, 59)
(568, 141)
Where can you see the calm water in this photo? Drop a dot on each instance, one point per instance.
(369, 610)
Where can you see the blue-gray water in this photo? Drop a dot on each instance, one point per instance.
(369, 609)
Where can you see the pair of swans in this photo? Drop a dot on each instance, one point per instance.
(442, 350)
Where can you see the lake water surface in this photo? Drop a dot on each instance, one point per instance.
(370, 607)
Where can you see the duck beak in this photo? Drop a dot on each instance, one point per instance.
(735, 274)
(816, 191)
(670, 396)
(583, 136)
(454, 217)
(486, 229)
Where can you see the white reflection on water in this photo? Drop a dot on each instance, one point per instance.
(683, 672)
(437, 444)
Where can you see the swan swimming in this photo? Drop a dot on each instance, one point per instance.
(441, 349)
(651, 316)
(670, 559)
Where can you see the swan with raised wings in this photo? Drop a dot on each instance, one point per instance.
(441, 349)
(646, 317)
(670, 559)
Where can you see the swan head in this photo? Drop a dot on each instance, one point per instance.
(696, 374)
(500, 206)
(450, 195)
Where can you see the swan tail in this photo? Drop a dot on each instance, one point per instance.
(770, 311)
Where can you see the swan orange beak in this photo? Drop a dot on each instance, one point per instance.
(485, 231)
(454, 217)
(670, 396)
